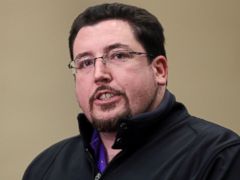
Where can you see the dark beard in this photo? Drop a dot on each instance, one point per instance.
(109, 125)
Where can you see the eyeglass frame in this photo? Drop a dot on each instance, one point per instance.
(105, 58)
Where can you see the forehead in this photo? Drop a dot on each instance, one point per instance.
(98, 36)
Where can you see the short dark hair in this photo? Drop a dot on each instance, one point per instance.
(147, 29)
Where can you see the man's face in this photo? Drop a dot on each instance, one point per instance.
(108, 93)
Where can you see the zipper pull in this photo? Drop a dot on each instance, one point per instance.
(98, 176)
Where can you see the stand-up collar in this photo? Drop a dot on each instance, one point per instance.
(136, 130)
(133, 131)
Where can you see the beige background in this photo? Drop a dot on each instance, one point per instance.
(37, 102)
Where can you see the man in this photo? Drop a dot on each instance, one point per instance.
(132, 127)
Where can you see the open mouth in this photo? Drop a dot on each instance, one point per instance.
(105, 96)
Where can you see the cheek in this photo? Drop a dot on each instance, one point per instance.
(138, 91)
(138, 88)
(82, 95)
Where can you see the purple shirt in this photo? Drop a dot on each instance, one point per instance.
(99, 151)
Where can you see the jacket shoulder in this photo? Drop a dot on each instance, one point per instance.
(207, 129)
(40, 165)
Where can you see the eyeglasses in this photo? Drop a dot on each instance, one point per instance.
(86, 63)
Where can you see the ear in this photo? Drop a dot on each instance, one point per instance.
(160, 69)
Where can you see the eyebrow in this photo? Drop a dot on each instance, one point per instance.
(105, 50)
(115, 46)
(82, 55)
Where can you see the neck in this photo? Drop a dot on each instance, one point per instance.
(108, 140)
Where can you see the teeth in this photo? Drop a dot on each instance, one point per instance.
(105, 96)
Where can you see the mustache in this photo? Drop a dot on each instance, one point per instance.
(105, 87)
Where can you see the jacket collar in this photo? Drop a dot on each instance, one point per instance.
(134, 131)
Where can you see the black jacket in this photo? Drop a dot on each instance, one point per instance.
(167, 144)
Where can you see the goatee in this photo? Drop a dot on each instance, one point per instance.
(109, 125)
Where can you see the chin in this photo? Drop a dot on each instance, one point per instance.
(105, 123)
(111, 115)
(105, 116)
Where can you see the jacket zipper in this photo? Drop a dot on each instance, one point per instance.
(93, 165)
(110, 165)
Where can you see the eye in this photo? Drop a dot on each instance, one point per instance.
(82, 64)
(120, 55)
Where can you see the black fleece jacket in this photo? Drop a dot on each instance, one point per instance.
(167, 144)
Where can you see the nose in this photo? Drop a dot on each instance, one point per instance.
(102, 73)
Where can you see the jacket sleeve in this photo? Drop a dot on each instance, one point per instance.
(40, 165)
(225, 165)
